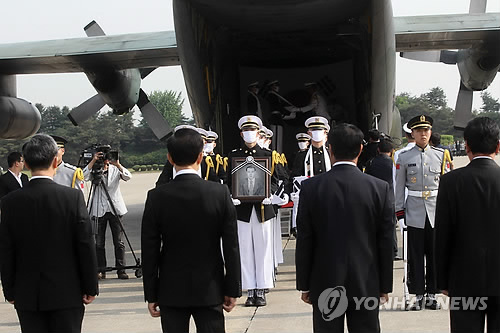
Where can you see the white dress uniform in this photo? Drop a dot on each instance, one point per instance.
(65, 173)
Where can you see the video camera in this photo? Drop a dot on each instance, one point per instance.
(88, 154)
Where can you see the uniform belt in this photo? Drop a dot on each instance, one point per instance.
(423, 194)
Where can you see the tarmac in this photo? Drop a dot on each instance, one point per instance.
(120, 306)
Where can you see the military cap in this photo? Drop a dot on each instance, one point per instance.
(420, 122)
(185, 127)
(263, 130)
(269, 133)
(309, 84)
(203, 132)
(249, 121)
(406, 129)
(303, 137)
(253, 84)
(316, 122)
(211, 135)
(60, 141)
(273, 82)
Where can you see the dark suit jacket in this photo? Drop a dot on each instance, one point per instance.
(167, 174)
(8, 183)
(258, 188)
(182, 227)
(468, 230)
(381, 167)
(344, 234)
(48, 246)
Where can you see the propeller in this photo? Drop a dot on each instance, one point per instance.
(86, 110)
(122, 92)
(153, 117)
(463, 58)
(463, 108)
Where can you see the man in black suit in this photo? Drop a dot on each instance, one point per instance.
(381, 167)
(182, 227)
(344, 239)
(250, 184)
(13, 179)
(468, 232)
(49, 264)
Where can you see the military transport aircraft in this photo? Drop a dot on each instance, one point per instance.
(346, 48)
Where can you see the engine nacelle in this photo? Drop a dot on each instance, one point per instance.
(19, 119)
(118, 89)
(477, 68)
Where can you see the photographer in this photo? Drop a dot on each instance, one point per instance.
(108, 173)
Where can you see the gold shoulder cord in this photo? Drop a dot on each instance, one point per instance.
(446, 159)
(78, 174)
(225, 163)
(220, 161)
(210, 164)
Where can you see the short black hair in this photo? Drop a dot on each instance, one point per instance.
(385, 146)
(250, 167)
(481, 135)
(436, 139)
(14, 157)
(185, 146)
(374, 134)
(40, 151)
(345, 141)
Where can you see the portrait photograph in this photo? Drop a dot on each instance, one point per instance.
(251, 179)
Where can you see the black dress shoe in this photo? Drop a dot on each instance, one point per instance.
(418, 305)
(432, 304)
(122, 275)
(397, 258)
(101, 276)
(260, 301)
(250, 301)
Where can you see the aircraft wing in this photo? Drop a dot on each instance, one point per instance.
(440, 32)
(138, 50)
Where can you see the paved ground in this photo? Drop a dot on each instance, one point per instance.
(120, 306)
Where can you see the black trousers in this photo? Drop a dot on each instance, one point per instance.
(208, 319)
(100, 241)
(422, 274)
(360, 320)
(65, 320)
(467, 320)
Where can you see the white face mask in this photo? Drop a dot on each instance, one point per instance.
(318, 136)
(302, 145)
(266, 144)
(208, 147)
(249, 136)
(261, 143)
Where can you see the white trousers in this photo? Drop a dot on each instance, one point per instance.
(278, 252)
(256, 252)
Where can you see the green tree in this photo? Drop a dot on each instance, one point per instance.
(490, 104)
(169, 103)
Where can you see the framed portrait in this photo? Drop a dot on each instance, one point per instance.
(251, 178)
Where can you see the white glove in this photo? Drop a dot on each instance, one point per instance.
(402, 225)
(236, 202)
(275, 200)
(294, 196)
(267, 201)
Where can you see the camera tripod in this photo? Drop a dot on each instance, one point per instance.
(97, 182)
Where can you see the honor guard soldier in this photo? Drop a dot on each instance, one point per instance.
(315, 160)
(419, 170)
(207, 165)
(67, 174)
(219, 161)
(254, 222)
(303, 141)
(254, 104)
